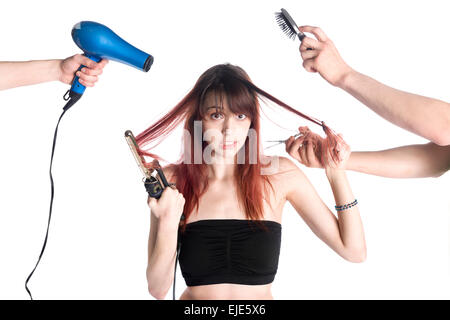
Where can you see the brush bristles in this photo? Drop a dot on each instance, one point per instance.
(285, 25)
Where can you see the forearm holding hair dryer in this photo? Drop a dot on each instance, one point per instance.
(98, 42)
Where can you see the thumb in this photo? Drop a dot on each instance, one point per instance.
(151, 202)
(83, 60)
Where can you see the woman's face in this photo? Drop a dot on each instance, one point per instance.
(225, 131)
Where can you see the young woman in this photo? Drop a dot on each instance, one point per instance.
(231, 196)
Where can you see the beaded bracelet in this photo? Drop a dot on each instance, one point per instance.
(346, 206)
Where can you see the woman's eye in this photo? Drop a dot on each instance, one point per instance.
(216, 114)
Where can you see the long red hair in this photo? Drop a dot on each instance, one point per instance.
(232, 83)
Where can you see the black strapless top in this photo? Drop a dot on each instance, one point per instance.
(229, 251)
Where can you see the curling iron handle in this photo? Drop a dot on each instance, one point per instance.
(163, 178)
(77, 87)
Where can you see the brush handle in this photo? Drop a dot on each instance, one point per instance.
(301, 36)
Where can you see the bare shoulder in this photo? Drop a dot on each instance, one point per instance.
(287, 175)
(281, 166)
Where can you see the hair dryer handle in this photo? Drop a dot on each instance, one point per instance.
(77, 87)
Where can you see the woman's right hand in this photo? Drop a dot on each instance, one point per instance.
(169, 207)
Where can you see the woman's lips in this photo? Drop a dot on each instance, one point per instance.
(228, 145)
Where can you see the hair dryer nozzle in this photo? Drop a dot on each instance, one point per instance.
(98, 40)
(148, 63)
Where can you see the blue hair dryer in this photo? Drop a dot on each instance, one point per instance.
(98, 42)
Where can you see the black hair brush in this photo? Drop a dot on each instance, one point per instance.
(288, 25)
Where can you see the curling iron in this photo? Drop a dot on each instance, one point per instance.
(151, 183)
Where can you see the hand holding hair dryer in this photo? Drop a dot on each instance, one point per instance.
(97, 42)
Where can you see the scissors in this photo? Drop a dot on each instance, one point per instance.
(281, 141)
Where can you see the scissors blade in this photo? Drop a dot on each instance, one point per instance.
(271, 146)
(282, 141)
(276, 144)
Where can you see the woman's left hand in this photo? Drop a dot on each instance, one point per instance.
(311, 150)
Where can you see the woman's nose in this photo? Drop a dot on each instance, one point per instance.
(227, 123)
(226, 131)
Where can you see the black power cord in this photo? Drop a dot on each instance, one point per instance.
(71, 100)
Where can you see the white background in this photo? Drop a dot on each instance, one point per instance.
(97, 246)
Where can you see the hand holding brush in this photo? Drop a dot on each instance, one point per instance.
(320, 54)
